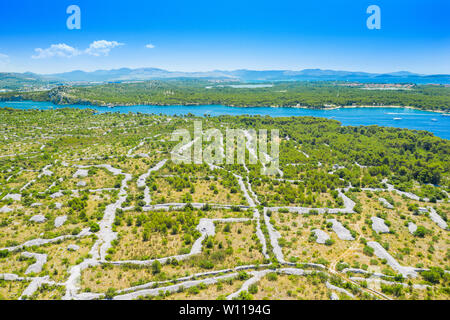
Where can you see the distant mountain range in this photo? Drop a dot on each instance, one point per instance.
(126, 74)
(14, 81)
(141, 74)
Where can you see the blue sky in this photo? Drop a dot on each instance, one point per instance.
(209, 35)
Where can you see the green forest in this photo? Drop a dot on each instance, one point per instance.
(203, 92)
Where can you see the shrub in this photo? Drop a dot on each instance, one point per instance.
(4, 253)
(187, 239)
(322, 261)
(421, 232)
(209, 243)
(244, 295)
(433, 275)
(94, 227)
(253, 288)
(272, 276)
(206, 264)
(341, 266)
(110, 293)
(395, 289)
(368, 251)
(156, 267)
(243, 275)
(194, 290)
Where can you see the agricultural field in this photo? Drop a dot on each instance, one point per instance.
(95, 206)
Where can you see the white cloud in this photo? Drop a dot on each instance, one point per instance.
(4, 59)
(97, 48)
(101, 47)
(56, 50)
(150, 46)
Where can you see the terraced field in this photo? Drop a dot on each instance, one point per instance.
(93, 206)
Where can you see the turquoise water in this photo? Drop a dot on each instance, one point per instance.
(389, 117)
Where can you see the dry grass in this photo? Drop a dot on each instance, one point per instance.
(291, 288)
(215, 291)
(296, 229)
(11, 290)
(203, 193)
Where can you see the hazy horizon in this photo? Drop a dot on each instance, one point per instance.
(223, 70)
(201, 36)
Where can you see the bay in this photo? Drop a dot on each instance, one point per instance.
(436, 123)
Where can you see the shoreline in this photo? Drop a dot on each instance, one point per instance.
(326, 107)
(405, 107)
(364, 111)
(365, 106)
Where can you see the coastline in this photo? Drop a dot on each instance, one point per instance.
(364, 106)
(426, 120)
(406, 107)
(326, 107)
(110, 105)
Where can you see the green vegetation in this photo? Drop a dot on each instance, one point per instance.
(133, 217)
(199, 92)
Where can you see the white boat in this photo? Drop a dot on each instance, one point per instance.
(397, 118)
(433, 119)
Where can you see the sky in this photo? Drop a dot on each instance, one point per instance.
(197, 35)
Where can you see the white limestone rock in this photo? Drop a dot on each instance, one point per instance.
(340, 230)
(13, 196)
(81, 173)
(81, 183)
(381, 253)
(412, 227)
(47, 173)
(59, 221)
(143, 155)
(321, 236)
(386, 203)
(423, 210)
(338, 289)
(9, 277)
(38, 218)
(437, 219)
(73, 247)
(5, 209)
(58, 194)
(35, 284)
(379, 226)
(36, 267)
